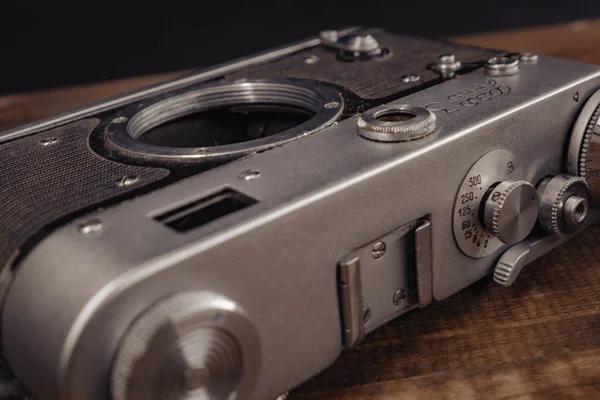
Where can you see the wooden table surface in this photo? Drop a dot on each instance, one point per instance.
(539, 339)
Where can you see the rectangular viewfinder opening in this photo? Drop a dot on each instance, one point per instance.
(205, 210)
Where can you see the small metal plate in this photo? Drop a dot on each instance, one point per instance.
(470, 235)
(379, 281)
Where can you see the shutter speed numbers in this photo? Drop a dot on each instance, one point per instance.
(469, 233)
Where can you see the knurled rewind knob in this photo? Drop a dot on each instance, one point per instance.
(584, 147)
(511, 210)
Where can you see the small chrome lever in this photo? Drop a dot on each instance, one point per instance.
(514, 259)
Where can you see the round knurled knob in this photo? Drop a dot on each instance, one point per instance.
(564, 204)
(171, 353)
(511, 210)
(582, 155)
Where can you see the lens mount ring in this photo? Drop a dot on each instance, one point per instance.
(124, 129)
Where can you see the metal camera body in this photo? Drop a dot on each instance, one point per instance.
(241, 270)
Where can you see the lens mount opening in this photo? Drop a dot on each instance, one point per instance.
(224, 121)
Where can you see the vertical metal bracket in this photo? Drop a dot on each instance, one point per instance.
(424, 262)
(352, 302)
(384, 279)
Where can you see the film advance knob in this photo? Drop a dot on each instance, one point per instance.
(510, 210)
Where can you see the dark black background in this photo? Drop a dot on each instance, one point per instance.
(49, 45)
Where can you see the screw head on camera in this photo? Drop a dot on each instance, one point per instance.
(446, 65)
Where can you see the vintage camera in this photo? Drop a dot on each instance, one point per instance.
(226, 234)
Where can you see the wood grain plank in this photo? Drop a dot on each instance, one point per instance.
(501, 382)
(21, 108)
(575, 41)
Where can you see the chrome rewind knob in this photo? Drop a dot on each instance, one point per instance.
(510, 210)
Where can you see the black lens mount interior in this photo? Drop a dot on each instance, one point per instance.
(226, 125)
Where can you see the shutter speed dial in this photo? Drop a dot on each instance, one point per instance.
(494, 206)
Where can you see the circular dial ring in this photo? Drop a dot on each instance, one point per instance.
(584, 146)
(469, 233)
